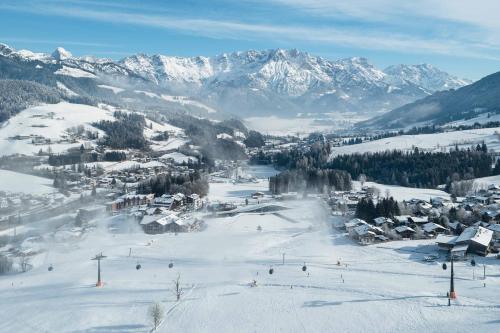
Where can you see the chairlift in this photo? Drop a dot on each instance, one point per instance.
(304, 268)
(444, 266)
(473, 262)
(171, 265)
(138, 266)
(271, 271)
(51, 268)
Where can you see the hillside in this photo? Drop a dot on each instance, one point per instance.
(481, 97)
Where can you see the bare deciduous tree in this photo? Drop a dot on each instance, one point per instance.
(178, 291)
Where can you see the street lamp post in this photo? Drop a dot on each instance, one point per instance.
(99, 257)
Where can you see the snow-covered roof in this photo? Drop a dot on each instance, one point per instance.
(163, 220)
(402, 218)
(478, 235)
(354, 222)
(363, 230)
(403, 228)
(419, 219)
(445, 239)
(382, 220)
(494, 227)
(460, 248)
(431, 227)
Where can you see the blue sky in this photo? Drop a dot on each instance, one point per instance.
(459, 36)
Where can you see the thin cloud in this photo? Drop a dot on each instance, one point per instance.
(225, 29)
(45, 41)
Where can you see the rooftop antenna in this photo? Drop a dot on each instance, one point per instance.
(99, 257)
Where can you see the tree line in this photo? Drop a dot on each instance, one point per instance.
(310, 180)
(166, 183)
(126, 132)
(417, 168)
(367, 210)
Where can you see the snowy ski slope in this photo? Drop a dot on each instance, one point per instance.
(379, 288)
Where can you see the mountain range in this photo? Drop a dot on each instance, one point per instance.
(479, 98)
(278, 82)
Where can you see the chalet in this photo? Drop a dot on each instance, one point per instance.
(459, 251)
(496, 230)
(363, 233)
(483, 200)
(445, 242)
(477, 239)
(418, 220)
(401, 219)
(380, 221)
(178, 201)
(175, 224)
(194, 201)
(405, 231)
(490, 215)
(456, 227)
(349, 226)
(439, 201)
(152, 224)
(432, 228)
(424, 207)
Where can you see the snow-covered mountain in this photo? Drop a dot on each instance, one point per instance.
(291, 80)
(481, 98)
(283, 82)
(426, 76)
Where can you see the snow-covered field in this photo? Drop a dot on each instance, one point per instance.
(285, 126)
(379, 288)
(487, 181)
(11, 181)
(434, 142)
(179, 157)
(404, 193)
(49, 121)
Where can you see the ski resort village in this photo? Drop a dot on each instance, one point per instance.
(212, 242)
(266, 190)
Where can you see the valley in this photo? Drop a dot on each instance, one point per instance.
(260, 190)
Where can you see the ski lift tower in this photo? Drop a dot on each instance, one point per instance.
(452, 294)
(99, 257)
